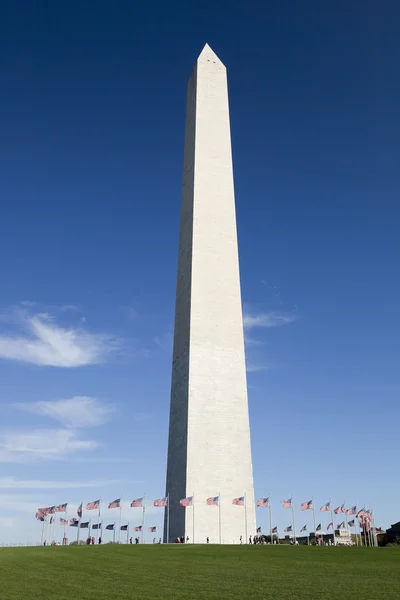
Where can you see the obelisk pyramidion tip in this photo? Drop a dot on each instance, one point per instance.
(208, 55)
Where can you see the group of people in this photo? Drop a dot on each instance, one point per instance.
(181, 540)
(92, 541)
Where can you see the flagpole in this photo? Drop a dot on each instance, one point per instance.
(167, 518)
(144, 509)
(98, 522)
(270, 517)
(333, 522)
(245, 515)
(114, 533)
(294, 522)
(127, 534)
(315, 525)
(42, 539)
(120, 519)
(192, 514)
(79, 524)
(375, 537)
(219, 517)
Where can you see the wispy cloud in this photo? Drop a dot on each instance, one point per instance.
(76, 412)
(164, 341)
(8, 483)
(267, 319)
(47, 344)
(40, 444)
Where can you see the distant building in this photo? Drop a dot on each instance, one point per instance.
(393, 533)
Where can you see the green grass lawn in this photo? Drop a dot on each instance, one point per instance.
(209, 572)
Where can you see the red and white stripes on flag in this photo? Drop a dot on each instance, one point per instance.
(137, 503)
(306, 505)
(286, 503)
(263, 502)
(95, 505)
(115, 503)
(238, 501)
(213, 501)
(186, 501)
(339, 510)
(61, 508)
(160, 502)
(326, 507)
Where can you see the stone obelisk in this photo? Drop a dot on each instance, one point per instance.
(209, 451)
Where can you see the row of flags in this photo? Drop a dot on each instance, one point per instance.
(364, 516)
(110, 527)
(42, 513)
(309, 505)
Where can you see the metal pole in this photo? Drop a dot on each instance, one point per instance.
(192, 514)
(98, 522)
(294, 522)
(120, 520)
(245, 515)
(219, 517)
(167, 518)
(333, 523)
(144, 510)
(270, 518)
(315, 525)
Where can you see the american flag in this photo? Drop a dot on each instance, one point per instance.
(275, 530)
(352, 523)
(41, 514)
(74, 522)
(213, 501)
(124, 527)
(303, 528)
(263, 502)
(138, 528)
(287, 503)
(79, 511)
(115, 503)
(186, 501)
(351, 511)
(330, 526)
(61, 508)
(84, 525)
(39, 517)
(137, 503)
(152, 529)
(339, 510)
(319, 527)
(160, 502)
(287, 529)
(51, 510)
(306, 505)
(93, 505)
(258, 530)
(110, 527)
(238, 501)
(326, 507)
(63, 522)
(97, 526)
(341, 525)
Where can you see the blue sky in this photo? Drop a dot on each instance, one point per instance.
(92, 124)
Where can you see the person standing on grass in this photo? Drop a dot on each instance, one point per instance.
(208, 540)
(99, 540)
(241, 540)
(130, 540)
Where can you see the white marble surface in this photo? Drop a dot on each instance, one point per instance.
(209, 446)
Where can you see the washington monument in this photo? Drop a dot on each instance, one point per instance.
(209, 453)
